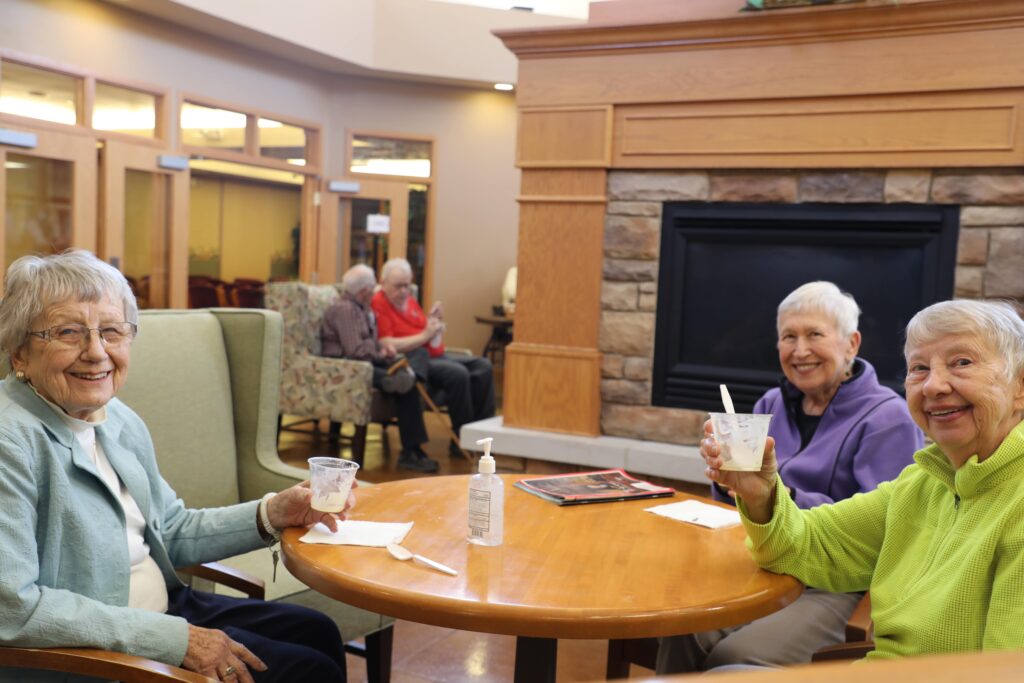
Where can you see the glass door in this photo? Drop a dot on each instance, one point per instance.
(145, 223)
(369, 233)
(47, 194)
(383, 219)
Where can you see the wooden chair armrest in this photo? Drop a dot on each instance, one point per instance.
(859, 626)
(843, 651)
(99, 663)
(251, 585)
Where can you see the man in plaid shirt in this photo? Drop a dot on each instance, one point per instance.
(349, 330)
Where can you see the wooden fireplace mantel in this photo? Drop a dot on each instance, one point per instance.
(910, 84)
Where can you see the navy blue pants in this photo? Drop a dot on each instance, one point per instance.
(296, 643)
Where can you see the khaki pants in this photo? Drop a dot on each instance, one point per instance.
(790, 636)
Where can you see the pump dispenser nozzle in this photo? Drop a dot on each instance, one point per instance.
(486, 461)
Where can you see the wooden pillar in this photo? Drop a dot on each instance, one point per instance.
(553, 368)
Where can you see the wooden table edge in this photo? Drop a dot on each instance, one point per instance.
(535, 622)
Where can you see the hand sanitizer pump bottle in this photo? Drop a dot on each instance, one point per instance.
(486, 501)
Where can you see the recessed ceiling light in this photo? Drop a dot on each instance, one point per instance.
(503, 86)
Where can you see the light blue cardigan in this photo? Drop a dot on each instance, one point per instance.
(64, 569)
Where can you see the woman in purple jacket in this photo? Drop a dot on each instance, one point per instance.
(837, 432)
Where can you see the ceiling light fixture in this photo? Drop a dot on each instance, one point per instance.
(503, 86)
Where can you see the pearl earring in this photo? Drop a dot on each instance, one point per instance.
(20, 376)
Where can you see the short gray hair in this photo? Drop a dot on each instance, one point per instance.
(398, 265)
(996, 323)
(357, 278)
(33, 283)
(823, 297)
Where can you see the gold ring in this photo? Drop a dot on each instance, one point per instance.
(230, 671)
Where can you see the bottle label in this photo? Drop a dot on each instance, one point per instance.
(479, 512)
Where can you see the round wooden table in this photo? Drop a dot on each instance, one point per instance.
(605, 570)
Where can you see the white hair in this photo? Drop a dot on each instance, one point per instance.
(33, 283)
(397, 265)
(357, 278)
(995, 323)
(823, 297)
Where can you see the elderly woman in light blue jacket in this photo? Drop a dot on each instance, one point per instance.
(90, 532)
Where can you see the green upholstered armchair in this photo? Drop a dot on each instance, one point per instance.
(206, 383)
(313, 386)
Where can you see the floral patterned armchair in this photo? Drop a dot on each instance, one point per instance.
(312, 386)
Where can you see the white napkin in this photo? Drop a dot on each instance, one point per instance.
(350, 532)
(696, 512)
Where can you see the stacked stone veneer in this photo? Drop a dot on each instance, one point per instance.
(990, 259)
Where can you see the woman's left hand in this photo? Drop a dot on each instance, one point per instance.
(291, 507)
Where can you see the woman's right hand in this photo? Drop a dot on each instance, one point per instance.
(213, 653)
(757, 489)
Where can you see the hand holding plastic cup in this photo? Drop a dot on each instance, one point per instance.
(331, 479)
(741, 440)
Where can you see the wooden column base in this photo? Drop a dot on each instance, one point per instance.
(554, 388)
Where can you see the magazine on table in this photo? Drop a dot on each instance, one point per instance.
(592, 487)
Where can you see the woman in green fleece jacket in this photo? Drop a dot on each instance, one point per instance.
(941, 547)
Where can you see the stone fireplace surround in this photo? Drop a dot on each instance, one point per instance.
(989, 257)
(654, 101)
(650, 440)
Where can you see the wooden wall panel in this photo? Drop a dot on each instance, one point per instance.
(564, 137)
(967, 128)
(555, 389)
(558, 300)
(580, 185)
(891, 64)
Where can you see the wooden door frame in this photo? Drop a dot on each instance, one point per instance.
(119, 156)
(392, 190)
(330, 238)
(80, 151)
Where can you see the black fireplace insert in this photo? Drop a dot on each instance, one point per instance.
(726, 266)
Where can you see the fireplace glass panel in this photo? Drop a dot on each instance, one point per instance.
(725, 268)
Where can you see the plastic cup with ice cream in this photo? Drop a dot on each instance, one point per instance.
(331, 479)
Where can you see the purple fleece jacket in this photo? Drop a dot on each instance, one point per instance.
(866, 436)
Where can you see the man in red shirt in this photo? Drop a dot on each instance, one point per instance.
(349, 330)
(467, 381)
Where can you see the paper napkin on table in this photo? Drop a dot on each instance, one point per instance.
(350, 532)
(696, 512)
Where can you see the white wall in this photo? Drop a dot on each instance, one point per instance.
(475, 216)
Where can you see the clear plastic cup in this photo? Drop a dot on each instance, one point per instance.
(330, 480)
(741, 438)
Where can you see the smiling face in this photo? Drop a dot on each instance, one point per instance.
(79, 379)
(813, 354)
(958, 393)
(397, 287)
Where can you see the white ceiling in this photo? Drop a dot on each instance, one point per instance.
(558, 8)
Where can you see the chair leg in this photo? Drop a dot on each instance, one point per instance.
(359, 444)
(333, 431)
(378, 655)
(385, 442)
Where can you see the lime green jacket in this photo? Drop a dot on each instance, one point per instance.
(942, 551)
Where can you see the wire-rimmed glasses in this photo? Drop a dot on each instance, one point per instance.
(76, 335)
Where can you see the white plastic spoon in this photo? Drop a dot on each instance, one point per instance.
(400, 553)
(727, 400)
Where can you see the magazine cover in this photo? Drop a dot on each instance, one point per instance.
(591, 487)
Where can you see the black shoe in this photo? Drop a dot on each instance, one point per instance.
(398, 382)
(454, 451)
(416, 460)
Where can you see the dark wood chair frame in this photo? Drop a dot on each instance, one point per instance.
(118, 666)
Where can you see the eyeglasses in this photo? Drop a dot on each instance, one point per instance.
(76, 336)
